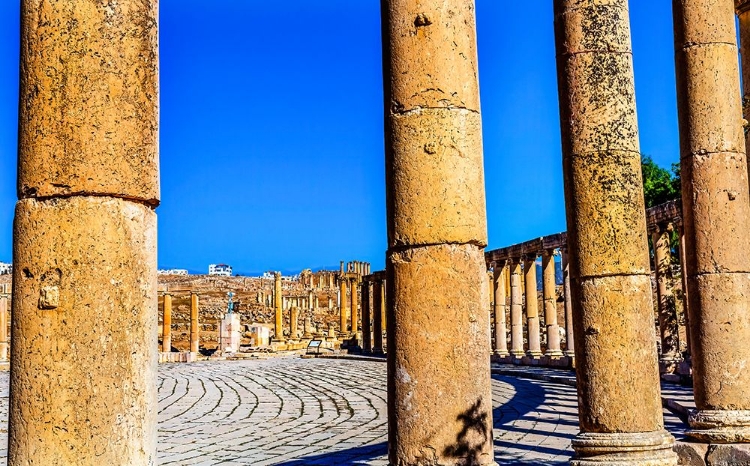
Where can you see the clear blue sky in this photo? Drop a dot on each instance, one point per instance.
(272, 133)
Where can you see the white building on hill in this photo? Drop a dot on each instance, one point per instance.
(220, 269)
(5, 268)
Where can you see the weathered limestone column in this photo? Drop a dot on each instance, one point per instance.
(3, 328)
(383, 304)
(532, 306)
(436, 235)
(568, 303)
(278, 307)
(668, 325)
(516, 309)
(616, 362)
(377, 317)
(293, 323)
(195, 335)
(85, 304)
(550, 304)
(355, 307)
(716, 217)
(501, 342)
(344, 317)
(685, 294)
(166, 332)
(366, 327)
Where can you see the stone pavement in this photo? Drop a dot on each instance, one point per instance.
(295, 412)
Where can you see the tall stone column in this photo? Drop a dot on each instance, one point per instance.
(716, 213)
(620, 410)
(3, 328)
(293, 323)
(195, 335)
(166, 332)
(685, 294)
(568, 303)
(550, 304)
(344, 312)
(668, 325)
(383, 304)
(437, 231)
(366, 327)
(516, 309)
(355, 307)
(501, 342)
(532, 306)
(278, 307)
(85, 304)
(377, 317)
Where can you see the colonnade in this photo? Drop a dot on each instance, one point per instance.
(166, 334)
(88, 161)
(373, 312)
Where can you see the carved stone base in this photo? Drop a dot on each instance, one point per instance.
(624, 449)
(720, 426)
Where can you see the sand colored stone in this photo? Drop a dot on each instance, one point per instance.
(743, 14)
(716, 216)
(498, 285)
(294, 323)
(516, 309)
(344, 306)
(3, 328)
(89, 100)
(437, 230)
(355, 307)
(568, 305)
(366, 318)
(667, 313)
(84, 334)
(378, 308)
(166, 333)
(195, 337)
(550, 304)
(429, 376)
(278, 307)
(620, 407)
(532, 306)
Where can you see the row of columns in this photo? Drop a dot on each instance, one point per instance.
(166, 345)
(508, 275)
(373, 314)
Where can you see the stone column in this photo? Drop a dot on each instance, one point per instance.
(311, 298)
(278, 308)
(85, 304)
(516, 309)
(569, 332)
(355, 307)
(501, 342)
(344, 312)
(308, 328)
(716, 213)
(437, 232)
(668, 325)
(685, 294)
(293, 323)
(532, 306)
(377, 317)
(620, 409)
(166, 332)
(194, 327)
(550, 304)
(3, 328)
(366, 327)
(383, 304)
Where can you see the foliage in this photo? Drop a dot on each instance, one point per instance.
(659, 185)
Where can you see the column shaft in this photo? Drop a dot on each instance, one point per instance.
(685, 294)
(550, 304)
(85, 304)
(436, 237)
(355, 307)
(516, 309)
(195, 335)
(344, 316)
(366, 327)
(377, 316)
(278, 307)
(501, 342)
(668, 326)
(532, 306)
(3, 328)
(569, 337)
(166, 333)
(619, 407)
(293, 323)
(743, 13)
(716, 213)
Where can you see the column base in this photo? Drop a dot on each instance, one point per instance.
(517, 353)
(569, 353)
(720, 426)
(554, 354)
(500, 353)
(624, 449)
(534, 354)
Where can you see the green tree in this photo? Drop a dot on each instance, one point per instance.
(659, 185)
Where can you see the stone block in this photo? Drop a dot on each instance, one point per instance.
(437, 173)
(733, 454)
(433, 56)
(89, 100)
(691, 453)
(84, 371)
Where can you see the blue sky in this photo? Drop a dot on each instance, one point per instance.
(272, 128)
